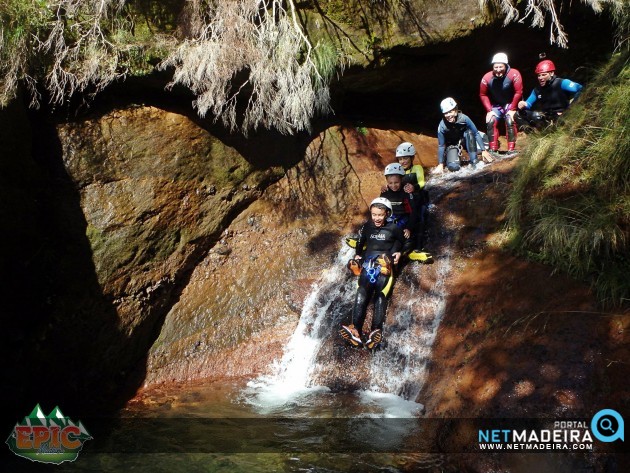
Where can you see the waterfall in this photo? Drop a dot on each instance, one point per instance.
(291, 376)
(401, 367)
(396, 372)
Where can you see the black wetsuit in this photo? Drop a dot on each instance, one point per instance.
(387, 239)
(402, 211)
(552, 99)
(419, 203)
(403, 214)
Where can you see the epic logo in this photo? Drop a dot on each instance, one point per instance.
(48, 439)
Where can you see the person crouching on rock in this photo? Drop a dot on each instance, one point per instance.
(378, 249)
(454, 129)
(551, 97)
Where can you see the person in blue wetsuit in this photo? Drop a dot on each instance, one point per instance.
(455, 129)
(549, 99)
(378, 249)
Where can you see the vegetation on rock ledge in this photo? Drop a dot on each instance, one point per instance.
(571, 203)
(250, 63)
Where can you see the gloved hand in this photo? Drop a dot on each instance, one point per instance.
(354, 267)
(385, 262)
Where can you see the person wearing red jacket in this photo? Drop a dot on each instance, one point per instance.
(500, 91)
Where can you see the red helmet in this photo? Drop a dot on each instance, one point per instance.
(545, 66)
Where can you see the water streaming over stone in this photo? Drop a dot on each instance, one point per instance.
(316, 359)
(400, 367)
(292, 375)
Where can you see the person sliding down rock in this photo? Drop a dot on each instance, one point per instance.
(402, 211)
(378, 249)
(405, 190)
(414, 185)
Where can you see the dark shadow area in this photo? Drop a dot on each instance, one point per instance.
(406, 91)
(61, 331)
(323, 242)
(63, 338)
(62, 344)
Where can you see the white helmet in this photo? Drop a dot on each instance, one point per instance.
(382, 201)
(499, 57)
(448, 104)
(405, 149)
(394, 168)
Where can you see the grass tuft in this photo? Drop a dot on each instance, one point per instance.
(570, 206)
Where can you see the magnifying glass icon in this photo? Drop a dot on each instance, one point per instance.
(606, 424)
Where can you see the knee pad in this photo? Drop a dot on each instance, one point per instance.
(471, 142)
(510, 129)
(521, 119)
(486, 140)
(452, 158)
(491, 125)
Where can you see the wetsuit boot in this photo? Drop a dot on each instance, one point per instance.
(511, 151)
(374, 339)
(351, 335)
(511, 132)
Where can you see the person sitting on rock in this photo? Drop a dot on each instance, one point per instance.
(414, 185)
(454, 130)
(404, 214)
(551, 98)
(379, 247)
(402, 211)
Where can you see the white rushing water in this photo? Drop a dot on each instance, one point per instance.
(396, 372)
(291, 375)
(401, 367)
